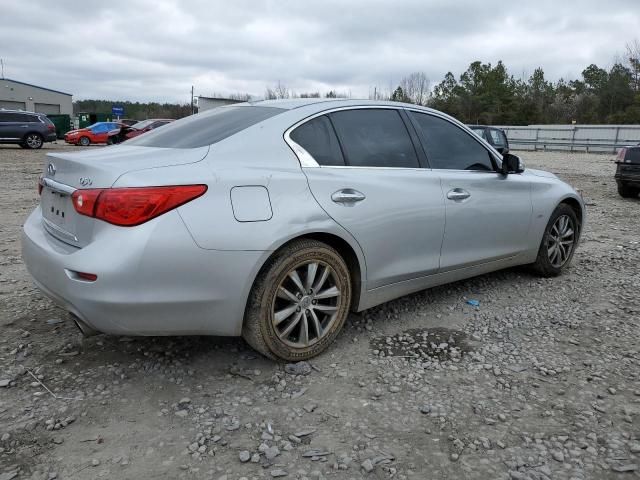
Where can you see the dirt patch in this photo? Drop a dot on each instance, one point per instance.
(440, 343)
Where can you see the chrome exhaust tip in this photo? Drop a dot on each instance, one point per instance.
(85, 329)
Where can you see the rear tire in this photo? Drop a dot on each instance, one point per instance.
(626, 191)
(33, 141)
(299, 302)
(558, 242)
(84, 141)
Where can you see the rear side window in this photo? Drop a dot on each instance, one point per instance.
(449, 147)
(319, 139)
(205, 128)
(632, 155)
(374, 138)
(25, 117)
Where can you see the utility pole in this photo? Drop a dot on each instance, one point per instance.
(192, 106)
(2, 68)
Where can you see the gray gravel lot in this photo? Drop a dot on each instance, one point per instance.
(540, 381)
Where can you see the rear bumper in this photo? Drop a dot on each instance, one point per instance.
(632, 180)
(152, 279)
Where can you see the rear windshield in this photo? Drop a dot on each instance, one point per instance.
(632, 155)
(205, 128)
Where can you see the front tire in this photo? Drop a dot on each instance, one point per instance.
(33, 141)
(558, 242)
(299, 302)
(84, 141)
(626, 191)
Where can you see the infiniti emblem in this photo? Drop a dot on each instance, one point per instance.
(51, 170)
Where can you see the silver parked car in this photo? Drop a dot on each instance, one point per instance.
(274, 219)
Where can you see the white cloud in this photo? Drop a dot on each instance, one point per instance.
(156, 49)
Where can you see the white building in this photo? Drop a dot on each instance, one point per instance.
(207, 103)
(15, 95)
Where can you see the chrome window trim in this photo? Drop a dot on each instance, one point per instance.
(307, 161)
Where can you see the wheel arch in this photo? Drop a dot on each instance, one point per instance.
(578, 208)
(351, 254)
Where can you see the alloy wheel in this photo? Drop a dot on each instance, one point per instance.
(34, 141)
(561, 241)
(306, 304)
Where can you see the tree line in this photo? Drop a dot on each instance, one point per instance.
(488, 94)
(483, 94)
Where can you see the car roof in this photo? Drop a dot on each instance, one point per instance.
(6, 110)
(321, 104)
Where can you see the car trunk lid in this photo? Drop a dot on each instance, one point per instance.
(66, 172)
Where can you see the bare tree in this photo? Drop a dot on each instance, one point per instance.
(416, 88)
(633, 62)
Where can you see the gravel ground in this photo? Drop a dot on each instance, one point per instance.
(539, 381)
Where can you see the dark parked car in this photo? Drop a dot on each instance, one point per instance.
(495, 136)
(146, 125)
(628, 172)
(27, 129)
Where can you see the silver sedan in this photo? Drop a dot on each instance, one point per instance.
(274, 219)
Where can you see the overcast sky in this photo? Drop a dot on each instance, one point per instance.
(156, 49)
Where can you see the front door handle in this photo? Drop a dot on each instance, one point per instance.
(348, 196)
(458, 194)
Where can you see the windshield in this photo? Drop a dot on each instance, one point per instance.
(479, 132)
(205, 128)
(143, 124)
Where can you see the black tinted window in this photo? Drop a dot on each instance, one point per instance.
(448, 146)
(6, 117)
(632, 155)
(25, 117)
(318, 138)
(205, 128)
(374, 138)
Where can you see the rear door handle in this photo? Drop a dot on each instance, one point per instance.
(458, 194)
(348, 196)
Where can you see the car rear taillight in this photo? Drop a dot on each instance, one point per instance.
(128, 207)
(51, 127)
(621, 154)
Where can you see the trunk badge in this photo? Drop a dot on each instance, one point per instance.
(51, 170)
(85, 181)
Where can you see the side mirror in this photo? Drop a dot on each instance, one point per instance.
(511, 164)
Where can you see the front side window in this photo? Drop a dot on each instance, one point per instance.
(480, 132)
(374, 138)
(318, 138)
(449, 147)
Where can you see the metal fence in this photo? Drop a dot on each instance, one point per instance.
(573, 138)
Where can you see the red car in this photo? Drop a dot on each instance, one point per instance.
(146, 125)
(101, 132)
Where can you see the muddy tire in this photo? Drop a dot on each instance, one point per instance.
(299, 302)
(558, 242)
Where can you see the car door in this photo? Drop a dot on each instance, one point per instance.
(366, 174)
(100, 133)
(488, 214)
(13, 126)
